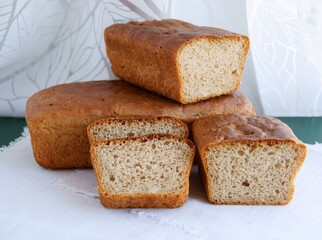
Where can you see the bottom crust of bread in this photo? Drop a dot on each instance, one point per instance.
(143, 200)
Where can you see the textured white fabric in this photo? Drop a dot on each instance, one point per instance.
(37, 203)
(286, 43)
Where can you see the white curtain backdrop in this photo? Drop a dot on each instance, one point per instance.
(48, 42)
(286, 43)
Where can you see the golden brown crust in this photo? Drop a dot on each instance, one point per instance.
(153, 47)
(171, 200)
(143, 200)
(228, 127)
(154, 120)
(57, 117)
(229, 130)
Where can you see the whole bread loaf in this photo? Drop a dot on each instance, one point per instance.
(176, 59)
(58, 117)
(151, 171)
(247, 159)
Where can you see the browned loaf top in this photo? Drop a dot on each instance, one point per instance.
(57, 117)
(225, 128)
(179, 60)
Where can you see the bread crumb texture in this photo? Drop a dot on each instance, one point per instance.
(211, 67)
(113, 128)
(252, 173)
(154, 166)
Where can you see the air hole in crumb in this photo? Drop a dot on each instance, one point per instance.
(166, 142)
(112, 178)
(246, 183)
(234, 72)
(130, 134)
(138, 165)
(277, 191)
(283, 183)
(241, 152)
(271, 153)
(252, 149)
(153, 146)
(142, 177)
(115, 156)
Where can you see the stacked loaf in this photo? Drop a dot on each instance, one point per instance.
(136, 139)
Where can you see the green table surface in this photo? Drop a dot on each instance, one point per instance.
(308, 129)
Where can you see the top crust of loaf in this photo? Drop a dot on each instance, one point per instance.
(154, 120)
(231, 128)
(164, 40)
(177, 32)
(89, 101)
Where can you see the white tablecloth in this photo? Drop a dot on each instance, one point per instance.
(36, 203)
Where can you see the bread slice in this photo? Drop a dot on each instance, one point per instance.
(143, 172)
(247, 160)
(112, 128)
(181, 61)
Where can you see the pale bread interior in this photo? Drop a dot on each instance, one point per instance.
(156, 166)
(252, 173)
(123, 128)
(211, 67)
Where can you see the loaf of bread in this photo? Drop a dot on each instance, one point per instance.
(58, 117)
(143, 172)
(247, 159)
(113, 128)
(181, 61)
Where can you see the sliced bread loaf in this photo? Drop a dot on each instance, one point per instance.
(112, 128)
(181, 61)
(247, 160)
(143, 172)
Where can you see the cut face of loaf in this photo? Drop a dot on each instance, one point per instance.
(209, 67)
(149, 172)
(113, 128)
(176, 59)
(248, 160)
